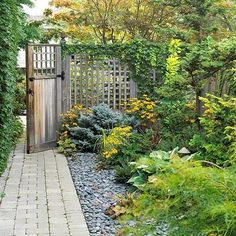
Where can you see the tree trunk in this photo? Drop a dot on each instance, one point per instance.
(199, 106)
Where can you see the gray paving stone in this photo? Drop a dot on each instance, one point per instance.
(40, 196)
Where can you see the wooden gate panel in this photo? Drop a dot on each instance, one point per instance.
(44, 92)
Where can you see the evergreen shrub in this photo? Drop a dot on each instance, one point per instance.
(92, 126)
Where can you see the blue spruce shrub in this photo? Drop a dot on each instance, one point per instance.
(101, 120)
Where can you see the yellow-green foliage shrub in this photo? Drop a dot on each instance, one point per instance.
(69, 120)
(112, 143)
(218, 122)
(143, 109)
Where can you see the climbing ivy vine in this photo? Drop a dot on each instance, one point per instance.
(11, 20)
(142, 57)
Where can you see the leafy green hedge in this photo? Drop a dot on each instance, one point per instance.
(11, 22)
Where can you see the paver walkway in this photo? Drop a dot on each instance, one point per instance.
(40, 198)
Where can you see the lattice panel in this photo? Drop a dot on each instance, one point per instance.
(44, 60)
(100, 81)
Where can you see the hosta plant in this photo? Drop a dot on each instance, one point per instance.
(138, 145)
(157, 162)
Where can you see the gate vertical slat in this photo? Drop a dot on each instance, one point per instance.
(30, 100)
(58, 85)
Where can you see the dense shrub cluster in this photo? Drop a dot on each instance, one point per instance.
(216, 141)
(194, 194)
(84, 128)
(20, 98)
(11, 18)
(191, 190)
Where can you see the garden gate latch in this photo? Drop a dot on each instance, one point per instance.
(31, 92)
(62, 75)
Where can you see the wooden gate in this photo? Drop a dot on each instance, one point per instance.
(43, 76)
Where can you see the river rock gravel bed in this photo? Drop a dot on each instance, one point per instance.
(97, 190)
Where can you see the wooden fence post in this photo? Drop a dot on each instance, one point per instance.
(66, 93)
(133, 89)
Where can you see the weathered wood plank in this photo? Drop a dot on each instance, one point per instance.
(58, 88)
(133, 89)
(86, 83)
(66, 92)
(30, 98)
(80, 77)
(97, 76)
(75, 79)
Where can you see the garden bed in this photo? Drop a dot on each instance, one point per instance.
(169, 199)
(98, 191)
